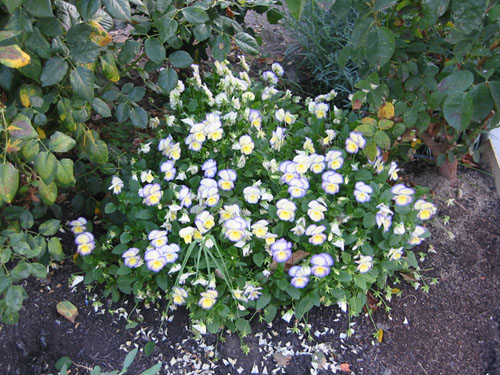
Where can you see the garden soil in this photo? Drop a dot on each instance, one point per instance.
(452, 329)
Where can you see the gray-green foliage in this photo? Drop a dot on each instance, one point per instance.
(318, 39)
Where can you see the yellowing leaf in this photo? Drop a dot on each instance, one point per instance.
(13, 56)
(380, 335)
(41, 133)
(99, 35)
(386, 111)
(67, 310)
(369, 120)
(28, 91)
(25, 99)
(13, 147)
(395, 290)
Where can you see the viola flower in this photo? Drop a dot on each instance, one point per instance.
(255, 118)
(334, 159)
(362, 192)
(259, 228)
(270, 77)
(179, 295)
(426, 209)
(299, 275)
(208, 299)
(205, 185)
(299, 229)
(227, 179)
(188, 233)
(315, 232)
(402, 194)
(251, 292)
(395, 254)
(321, 264)
(393, 171)
(268, 92)
(320, 110)
(198, 132)
(147, 176)
(116, 185)
(236, 229)
(246, 144)
(209, 168)
(316, 210)
(282, 250)
(192, 143)
(185, 196)
(298, 187)
(230, 211)
(131, 258)
(355, 142)
(331, 182)
(277, 69)
(383, 217)
(317, 163)
(204, 221)
(170, 149)
(286, 210)
(155, 261)
(302, 163)
(212, 197)
(289, 170)
(270, 238)
(170, 252)
(330, 135)
(85, 243)
(158, 238)
(251, 194)
(213, 127)
(399, 228)
(168, 168)
(151, 193)
(78, 226)
(416, 237)
(365, 263)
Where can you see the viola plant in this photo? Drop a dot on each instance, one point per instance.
(250, 198)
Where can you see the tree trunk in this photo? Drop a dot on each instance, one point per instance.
(449, 170)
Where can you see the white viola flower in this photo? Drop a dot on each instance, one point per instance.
(331, 182)
(227, 179)
(316, 234)
(321, 264)
(246, 144)
(334, 159)
(302, 163)
(399, 228)
(395, 254)
(277, 69)
(187, 234)
(209, 168)
(169, 170)
(331, 95)
(158, 238)
(212, 197)
(145, 148)
(230, 211)
(236, 229)
(243, 63)
(300, 227)
(299, 275)
(221, 99)
(251, 194)
(260, 229)
(205, 185)
(198, 131)
(255, 118)
(330, 136)
(268, 92)
(393, 171)
(78, 226)
(271, 165)
(270, 77)
(416, 237)
(180, 86)
(251, 292)
(308, 146)
(286, 210)
(169, 120)
(383, 217)
(204, 221)
(362, 192)
(230, 117)
(245, 77)
(316, 211)
(151, 193)
(185, 196)
(236, 103)
(280, 115)
(193, 145)
(297, 187)
(208, 299)
(154, 122)
(311, 105)
(365, 263)
(85, 243)
(402, 195)
(155, 260)
(247, 97)
(277, 139)
(355, 142)
(281, 250)
(317, 163)
(179, 295)
(426, 209)
(116, 185)
(321, 110)
(131, 258)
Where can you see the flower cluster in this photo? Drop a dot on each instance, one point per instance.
(85, 242)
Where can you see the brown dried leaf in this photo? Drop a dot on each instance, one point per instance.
(407, 276)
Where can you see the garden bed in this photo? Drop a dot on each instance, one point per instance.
(453, 329)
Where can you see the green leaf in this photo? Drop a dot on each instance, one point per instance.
(139, 117)
(125, 237)
(129, 50)
(122, 112)
(263, 301)
(21, 128)
(9, 182)
(14, 297)
(53, 71)
(109, 208)
(495, 93)
(33, 69)
(144, 214)
(457, 110)
(180, 59)
(60, 142)
(296, 7)
(50, 26)
(155, 50)
(303, 307)
(97, 151)
(63, 361)
(382, 140)
(39, 8)
(26, 219)
(12, 5)
(46, 166)
(243, 326)
(119, 9)
(270, 312)
(247, 43)
(87, 8)
(482, 102)
(456, 82)
(82, 83)
(20, 272)
(101, 107)
(380, 46)
(48, 192)
(220, 47)
(202, 32)
(64, 175)
(85, 53)
(49, 227)
(149, 348)
(167, 27)
(167, 80)
(195, 15)
(154, 370)
(366, 129)
(55, 249)
(129, 359)
(162, 281)
(383, 4)
(38, 270)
